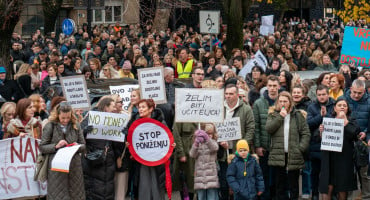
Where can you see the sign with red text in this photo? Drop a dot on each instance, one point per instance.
(150, 142)
(332, 136)
(17, 168)
(199, 105)
(75, 91)
(356, 47)
(152, 84)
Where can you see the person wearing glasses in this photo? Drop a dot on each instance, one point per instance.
(198, 77)
(109, 72)
(7, 113)
(62, 130)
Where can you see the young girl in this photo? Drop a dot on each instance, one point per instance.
(204, 150)
(244, 174)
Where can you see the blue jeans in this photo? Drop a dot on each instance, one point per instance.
(208, 194)
(306, 178)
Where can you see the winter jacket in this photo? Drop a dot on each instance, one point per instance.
(314, 119)
(64, 186)
(329, 67)
(245, 187)
(299, 138)
(10, 91)
(205, 155)
(46, 85)
(33, 128)
(303, 104)
(260, 111)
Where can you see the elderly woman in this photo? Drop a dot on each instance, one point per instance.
(63, 130)
(290, 137)
(109, 72)
(336, 86)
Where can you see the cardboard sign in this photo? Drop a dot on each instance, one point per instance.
(229, 130)
(124, 91)
(152, 84)
(150, 142)
(75, 91)
(107, 126)
(63, 157)
(267, 30)
(17, 168)
(332, 136)
(267, 20)
(259, 59)
(209, 21)
(199, 105)
(356, 47)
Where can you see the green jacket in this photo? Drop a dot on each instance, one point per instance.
(260, 111)
(299, 138)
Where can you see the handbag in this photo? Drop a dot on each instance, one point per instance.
(97, 156)
(361, 153)
(41, 170)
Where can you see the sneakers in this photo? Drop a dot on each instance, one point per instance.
(305, 196)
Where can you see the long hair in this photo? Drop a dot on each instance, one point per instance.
(284, 94)
(22, 71)
(22, 105)
(348, 114)
(63, 107)
(36, 99)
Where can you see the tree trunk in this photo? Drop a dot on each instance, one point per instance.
(162, 16)
(10, 11)
(51, 10)
(234, 26)
(282, 13)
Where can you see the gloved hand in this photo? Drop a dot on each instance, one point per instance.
(88, 129)
(204, 135)
(198, 140)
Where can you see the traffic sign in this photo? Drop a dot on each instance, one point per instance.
(68, 26)
(209, 21)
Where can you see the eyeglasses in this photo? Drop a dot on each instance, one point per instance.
(270, 52)
(105, 69)
(199, 74)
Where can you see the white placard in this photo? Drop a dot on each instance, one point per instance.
(209, 21)
(229, 130)
(107, 126)
(199, 105)
(75, 91)
(267, 30)
(332, 136)
(268, 20)
(124, 91)
(18, 156)
(63, 157)
(152, 85)
(259, 59)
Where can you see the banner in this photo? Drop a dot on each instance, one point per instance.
(332, 136)
(229, 130)
(124, 91)
(152, 85)
(356, 47)
(17, 163)
(199, 105)
(150, 142)
(63, 157)
(259, 59)
(107, 126)
(75, 91)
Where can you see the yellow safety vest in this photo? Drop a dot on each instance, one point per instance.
(184, 73)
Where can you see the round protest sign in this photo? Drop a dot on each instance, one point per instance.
(150, 142)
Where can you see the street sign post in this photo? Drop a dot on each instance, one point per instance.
(209, 21)
(68, 26)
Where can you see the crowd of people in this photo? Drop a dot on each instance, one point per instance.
(281, 116)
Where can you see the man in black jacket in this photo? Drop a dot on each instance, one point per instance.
(8, 88)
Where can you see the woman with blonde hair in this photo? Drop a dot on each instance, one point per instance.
(39, 106)
(7, 113)
(24, 80)
(109, 72)
(95, 66)
(316, 58)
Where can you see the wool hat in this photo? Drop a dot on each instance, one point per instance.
(126, 65)
(194, 46)
(242, 144)
(2, 69)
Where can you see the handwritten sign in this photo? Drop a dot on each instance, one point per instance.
(267, 26)
(332, 136)
(199, 105)
(152, 84)
(107, 126)
(17, 168)
(63, 157)
(356, 47)
(150, 142)
(259, 60)
(75, 91)
(124, 91)
(229, 130)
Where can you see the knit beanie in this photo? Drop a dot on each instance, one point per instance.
(242, 144)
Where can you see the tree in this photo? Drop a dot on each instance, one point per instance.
(51, 10)
(280, 5)
(10, 12)
(355, 10)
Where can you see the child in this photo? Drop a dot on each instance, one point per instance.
(244, 175)
(204, 150)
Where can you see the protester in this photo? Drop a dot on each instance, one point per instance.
(336, 86)
(7, 113)
(62, 130)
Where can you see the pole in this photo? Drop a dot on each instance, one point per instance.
(89, 12)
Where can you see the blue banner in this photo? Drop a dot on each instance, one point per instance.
(356, 47)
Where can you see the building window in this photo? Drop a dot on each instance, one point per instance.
(111, 14)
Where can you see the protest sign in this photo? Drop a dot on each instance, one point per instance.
(107, 126)
(150, 142)
(152, 84)
(229, 130)
(267, 20)
(199, 105)
(356, 47)
(267, 26)
(18, 157)
(124, 91)
(332, 136)
(75, 91)
(63, 157)
(259, 59)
